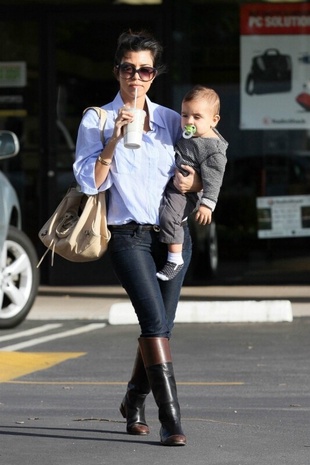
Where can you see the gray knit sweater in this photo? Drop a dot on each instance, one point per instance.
(208, 157)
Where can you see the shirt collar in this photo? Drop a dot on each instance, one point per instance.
(154, 115)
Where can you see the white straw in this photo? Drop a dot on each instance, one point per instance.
(136, 94)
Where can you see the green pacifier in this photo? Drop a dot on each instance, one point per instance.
(189, 131)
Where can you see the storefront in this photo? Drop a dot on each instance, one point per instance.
(56, 60)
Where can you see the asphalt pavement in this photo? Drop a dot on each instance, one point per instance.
(243, 391)
(201, 304)
(243, 388)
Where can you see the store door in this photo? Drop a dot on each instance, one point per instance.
(19, 99)
(64, 60)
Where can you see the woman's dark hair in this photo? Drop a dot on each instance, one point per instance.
(137, 42)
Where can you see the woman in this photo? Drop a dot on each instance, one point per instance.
(136, 180)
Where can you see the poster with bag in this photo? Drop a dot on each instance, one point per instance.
(275, 66)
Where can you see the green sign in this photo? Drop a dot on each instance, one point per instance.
(12, 74)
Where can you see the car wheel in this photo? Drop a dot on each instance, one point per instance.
(204, 263)
(19, 278)
(211, 251)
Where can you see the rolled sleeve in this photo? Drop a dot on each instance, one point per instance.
(88, 146)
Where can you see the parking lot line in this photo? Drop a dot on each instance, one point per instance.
(52, 337)
(16, 364)
(123, 383)
(30, 332)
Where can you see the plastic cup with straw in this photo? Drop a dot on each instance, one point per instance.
(133, 131)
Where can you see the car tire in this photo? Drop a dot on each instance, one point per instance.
(211, 252)
(19, 278)
(204, 263)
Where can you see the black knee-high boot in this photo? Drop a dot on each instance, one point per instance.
(133, 405)
(157, 359)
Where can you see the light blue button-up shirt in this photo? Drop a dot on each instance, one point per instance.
(137, 177)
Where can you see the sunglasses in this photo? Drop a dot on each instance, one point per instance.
(127, 71)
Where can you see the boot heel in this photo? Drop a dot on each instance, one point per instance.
(122, 410)
(136, 424)
(174, 440)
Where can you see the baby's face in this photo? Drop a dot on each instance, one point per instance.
(198, 113)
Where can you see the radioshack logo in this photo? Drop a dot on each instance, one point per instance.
(267, 121)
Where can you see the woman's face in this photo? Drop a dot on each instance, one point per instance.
(128, 85)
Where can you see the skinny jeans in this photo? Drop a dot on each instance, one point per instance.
(136, 256)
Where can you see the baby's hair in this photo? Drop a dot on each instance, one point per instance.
(202, 92)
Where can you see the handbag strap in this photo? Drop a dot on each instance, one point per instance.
(102, 115)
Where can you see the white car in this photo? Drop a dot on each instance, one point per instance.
(19, 276)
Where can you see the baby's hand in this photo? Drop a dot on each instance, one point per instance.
(203, 215)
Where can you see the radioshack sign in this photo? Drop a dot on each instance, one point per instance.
(286, 216)
(275, 66)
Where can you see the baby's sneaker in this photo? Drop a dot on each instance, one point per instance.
(169, 271)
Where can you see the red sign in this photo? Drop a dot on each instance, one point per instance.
(275, 19)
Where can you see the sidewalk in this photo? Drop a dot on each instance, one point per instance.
(197, 304)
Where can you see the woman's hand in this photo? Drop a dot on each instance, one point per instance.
(190, 183)
(123, 118)
(104, 162)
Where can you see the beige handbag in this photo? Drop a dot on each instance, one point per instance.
(78, 229)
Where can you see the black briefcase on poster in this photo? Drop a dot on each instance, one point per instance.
(270, 73)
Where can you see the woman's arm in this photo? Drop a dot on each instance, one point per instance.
(190, 183)
(105, 158)
(104, 161)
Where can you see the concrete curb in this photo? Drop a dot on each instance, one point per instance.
(249, 311)
(218, 304)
